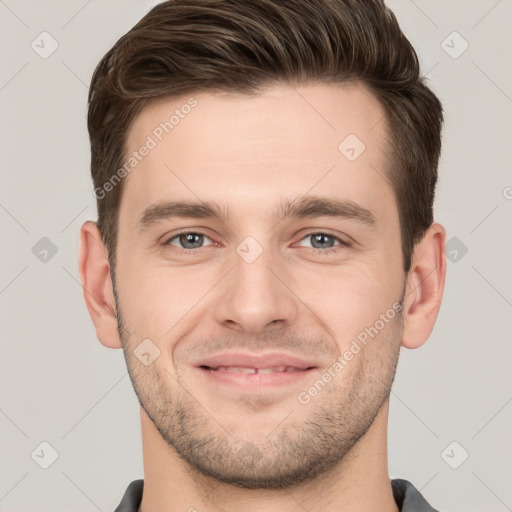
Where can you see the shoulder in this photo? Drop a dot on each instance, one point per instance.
(408, 498)
(132, 497)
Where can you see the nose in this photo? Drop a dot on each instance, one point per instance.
(255, 297)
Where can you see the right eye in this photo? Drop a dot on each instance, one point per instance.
(188, 240)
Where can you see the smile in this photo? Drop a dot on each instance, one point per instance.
(248, 370)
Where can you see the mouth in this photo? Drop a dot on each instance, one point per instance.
(255, 372)
(252, 370)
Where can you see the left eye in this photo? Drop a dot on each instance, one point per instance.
(188, 240)
(323, 240)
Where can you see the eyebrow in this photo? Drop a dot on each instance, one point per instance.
(305, 207)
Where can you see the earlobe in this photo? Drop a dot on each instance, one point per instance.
(425, 286)
(97, 288)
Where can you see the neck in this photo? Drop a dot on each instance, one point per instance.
(360, 483)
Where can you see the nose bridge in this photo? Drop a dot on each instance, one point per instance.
(254, 298)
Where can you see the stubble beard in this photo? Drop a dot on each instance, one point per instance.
(304, 446)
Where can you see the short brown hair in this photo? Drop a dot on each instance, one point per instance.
(187, 46)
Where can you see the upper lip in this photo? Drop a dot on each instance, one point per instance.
(255, 360)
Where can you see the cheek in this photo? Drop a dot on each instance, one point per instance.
(353, 299)
(155, 300)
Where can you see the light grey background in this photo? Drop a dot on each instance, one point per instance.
(60, 385)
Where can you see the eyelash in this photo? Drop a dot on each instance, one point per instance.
(342, 243)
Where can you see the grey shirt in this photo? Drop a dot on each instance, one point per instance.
(407, 497)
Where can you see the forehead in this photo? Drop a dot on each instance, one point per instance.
(283, 140)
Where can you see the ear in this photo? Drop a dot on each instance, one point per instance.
(97, 287)
(425, 286)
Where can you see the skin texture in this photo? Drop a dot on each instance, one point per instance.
(216, 447)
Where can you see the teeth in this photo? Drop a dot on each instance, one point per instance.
(241, 369)
(236, 369)
(272, 370)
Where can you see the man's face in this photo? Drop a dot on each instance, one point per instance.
(251, 293)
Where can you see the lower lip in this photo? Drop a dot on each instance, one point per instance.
(255, 381)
